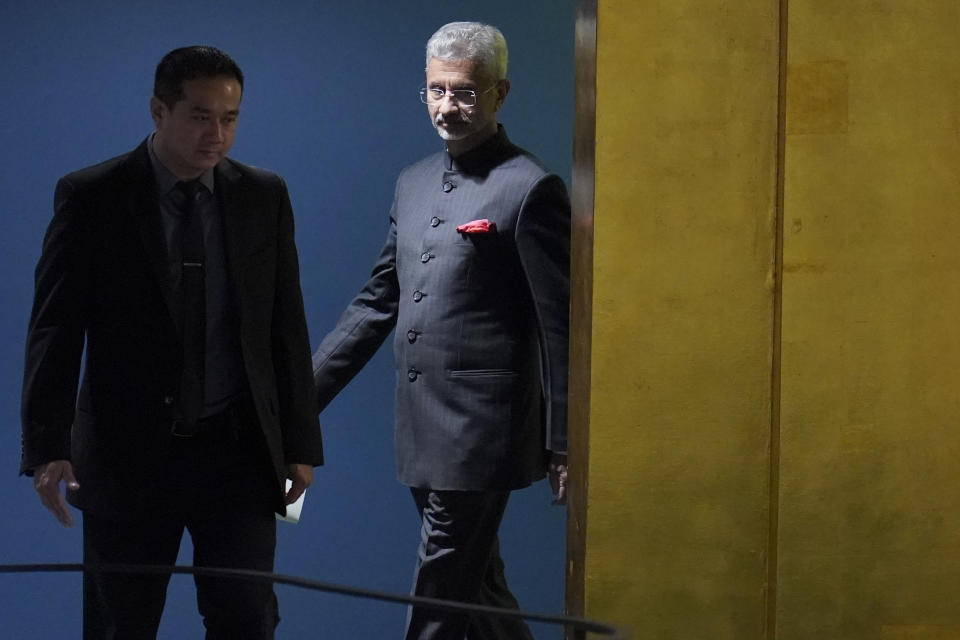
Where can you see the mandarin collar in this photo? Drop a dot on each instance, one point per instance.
(480, 157)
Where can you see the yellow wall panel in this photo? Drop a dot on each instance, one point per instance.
(870, 458)
(678, 422)
(683, 242)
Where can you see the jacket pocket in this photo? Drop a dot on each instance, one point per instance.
(475, 373)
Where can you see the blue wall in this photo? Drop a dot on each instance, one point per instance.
(331, 105)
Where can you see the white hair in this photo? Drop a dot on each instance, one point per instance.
(475, 41)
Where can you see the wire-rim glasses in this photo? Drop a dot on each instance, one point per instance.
(463, 97)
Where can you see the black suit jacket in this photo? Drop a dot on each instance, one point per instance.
(102, 282)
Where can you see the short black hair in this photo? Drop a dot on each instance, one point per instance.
(190, 63)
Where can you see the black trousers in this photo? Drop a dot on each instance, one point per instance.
(219, 488)
(459, 559)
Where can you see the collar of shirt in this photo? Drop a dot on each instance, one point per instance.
(165, 180)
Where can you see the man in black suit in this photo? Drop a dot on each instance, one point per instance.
(176, 266)
(475, 277)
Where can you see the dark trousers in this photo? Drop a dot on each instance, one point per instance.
(219, 488)
(459, 559)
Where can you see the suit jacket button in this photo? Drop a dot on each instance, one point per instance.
(434, 221)
(425, 257)
(168, 400)
(412, 374)
(448, 186)
(417, 296)
(412, 336)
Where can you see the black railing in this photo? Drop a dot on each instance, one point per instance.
(575, 628)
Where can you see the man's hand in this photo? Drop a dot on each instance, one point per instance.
(301, 476)
(46, 480)
(558, 477)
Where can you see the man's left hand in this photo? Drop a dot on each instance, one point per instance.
(558, 477)
(301, 476)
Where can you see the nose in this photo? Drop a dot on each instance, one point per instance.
(215, 130)
(448, 104)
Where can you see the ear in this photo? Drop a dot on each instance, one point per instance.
(157, 110)
(503, 88)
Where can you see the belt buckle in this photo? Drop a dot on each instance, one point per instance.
(181, 429)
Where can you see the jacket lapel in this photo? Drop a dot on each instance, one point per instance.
(231, 193)
(143, 205)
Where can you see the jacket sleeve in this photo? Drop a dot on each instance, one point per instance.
(55, 336)
(543, 242)
(363, 326)
(291, 350)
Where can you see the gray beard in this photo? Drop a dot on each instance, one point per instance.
(450, 135)
(446, 134)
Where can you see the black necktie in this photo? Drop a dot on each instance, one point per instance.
(193, 306)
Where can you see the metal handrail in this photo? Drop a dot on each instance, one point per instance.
(579, 626)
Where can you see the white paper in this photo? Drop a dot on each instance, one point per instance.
(293, 510)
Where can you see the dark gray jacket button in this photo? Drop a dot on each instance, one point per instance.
(434, 221)
(412, 374)
(417, 296)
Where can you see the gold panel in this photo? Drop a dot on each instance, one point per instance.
(695, 390)
(869, 476)
(682, 312)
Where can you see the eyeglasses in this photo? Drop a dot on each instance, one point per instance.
(463, 97)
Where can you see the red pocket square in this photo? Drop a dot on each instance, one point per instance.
(478, 226)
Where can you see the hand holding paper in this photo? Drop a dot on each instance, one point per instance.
(294, 508)
(299, 477)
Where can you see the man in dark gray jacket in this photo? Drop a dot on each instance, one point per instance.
(475, 277)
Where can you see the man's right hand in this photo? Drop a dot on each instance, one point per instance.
(46, 480)
(557, 472)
